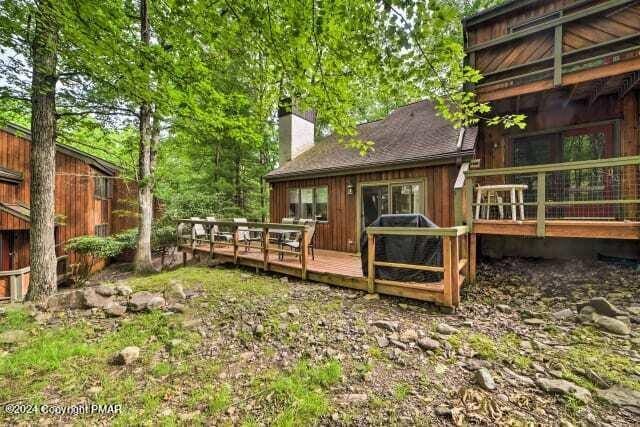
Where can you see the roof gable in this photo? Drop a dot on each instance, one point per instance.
(411, 134)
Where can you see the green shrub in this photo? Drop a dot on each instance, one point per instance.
(163, 239)
(90, 250)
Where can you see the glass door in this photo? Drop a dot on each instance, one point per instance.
(390, 198)
(375, 202)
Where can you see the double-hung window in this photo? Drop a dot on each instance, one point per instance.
(309, 203)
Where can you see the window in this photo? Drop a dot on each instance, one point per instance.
(309, 203)
(405, 198)
(101, 230)
(103, 187)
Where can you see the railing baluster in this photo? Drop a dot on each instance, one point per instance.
(371, 258)
(447, 264)
(303, 252)
(541, 199)
(265, 247)
(235, 244)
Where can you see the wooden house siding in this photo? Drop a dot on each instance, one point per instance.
(77, 209)
(340, 232)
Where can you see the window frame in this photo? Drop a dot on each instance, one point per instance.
(107, 184)
(314, 200)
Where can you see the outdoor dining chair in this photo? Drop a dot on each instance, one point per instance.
(295, 243)
(198, 233)
(244, 234)
(216, 234)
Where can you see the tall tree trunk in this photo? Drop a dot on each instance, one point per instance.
(142, 261)
(43, 153)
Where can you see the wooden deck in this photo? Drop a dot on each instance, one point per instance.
(624, 230)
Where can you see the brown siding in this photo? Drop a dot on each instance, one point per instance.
(340, 232)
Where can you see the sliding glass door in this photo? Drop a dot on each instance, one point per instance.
(390, 198)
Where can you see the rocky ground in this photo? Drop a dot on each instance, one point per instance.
(533, 343)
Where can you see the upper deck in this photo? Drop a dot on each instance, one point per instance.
(590, 47)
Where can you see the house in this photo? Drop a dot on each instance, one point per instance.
(412, 169)
(567, 185)
(90, 199)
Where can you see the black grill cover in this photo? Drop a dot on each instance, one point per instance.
(423, 250)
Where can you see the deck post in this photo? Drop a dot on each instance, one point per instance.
(447, 264)
(265, 247)
(541, 198)
(455, 270)
(371, 259)
(211, 242)
(472, 257)
(235, 244)
(304, 244)
(468, 190)
(184, 257)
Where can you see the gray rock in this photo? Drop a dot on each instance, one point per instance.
(484, 379)
(399, 344)
(258, 330)
(293, 311)
(445, 329)
(371, 297)
(382, 341)
(475, 364)
(105, 291)
(177, 307)
(564, 314)
(428, 344)
(175, 293)
(620, 396)
(69, 300)
(612, 325)
(408, 335)
(141, 301)
(93, 299)
(560, 386)
(518, 380)
(602, 306)
(127, 355)
(634, 309)
(124, 290)
(443, 411)
(352, 398)
(533, 321)
(115, 310)
(13, 336)
(504, 308)
(389, 325)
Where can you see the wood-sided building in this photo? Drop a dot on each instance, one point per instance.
(573, 68)
(411, 169)
(90, 199)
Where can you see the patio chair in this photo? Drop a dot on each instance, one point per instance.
(294, 244)
(244, 234)
(198, 233)
(216, 234)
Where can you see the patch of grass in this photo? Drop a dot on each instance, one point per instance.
(15, 318)
(573, 405)
(376, 353)
(520, 361)
(161, 369)
(401, 391)
(483, 345)
(300, 394)
(216, 400)
(456, 341)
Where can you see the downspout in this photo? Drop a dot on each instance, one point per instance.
(459, 145)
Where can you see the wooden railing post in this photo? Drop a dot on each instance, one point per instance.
(454, 271)
(446, 263)
(472, 257)
(304, 243)
(235, 244)
(468, 190)
(371, 259)
(541, 198)
(557, 56)
(265, 248)
(211, 240)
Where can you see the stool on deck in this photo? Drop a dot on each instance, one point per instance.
(490, 193)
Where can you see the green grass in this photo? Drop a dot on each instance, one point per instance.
(483, 345)
(401, 391)
(15, 318)
(215, 399)
(300, 394)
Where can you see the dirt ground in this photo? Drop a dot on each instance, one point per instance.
(254, 349)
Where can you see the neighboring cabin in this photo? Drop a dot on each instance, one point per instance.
(90, 199)
(572, 67)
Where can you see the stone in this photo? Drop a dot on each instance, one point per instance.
(503, 308)
(620, 396)
(93, 299)
(518, 380)
(105, 291)
(258, 330)
(13, 336)
(175, 292)
(475, 364)
(351, 398)
(443, 411)
(399, 344)
(560, 386)
(428, 344)
(408, 335)
(115, 310)
(177, 307)
(533, 321)
(284, 280)
(389, 325)
(127, 355)
(141, 301)
(191, 324)
(371, 297)
(634, 309)
(293, 311)
(484, 379)
(564, 314)
(602, 306)
(382, 341)
(612, 325)
(124, 290)
(69, 300)
(445, 329)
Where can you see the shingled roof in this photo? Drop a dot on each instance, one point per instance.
(411, 134)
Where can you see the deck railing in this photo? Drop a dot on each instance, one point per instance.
(17, 281)
(456, 254)
(593, 190)
(214, 235)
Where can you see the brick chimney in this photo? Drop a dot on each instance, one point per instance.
(296, 130)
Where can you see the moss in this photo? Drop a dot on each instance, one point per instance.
(483, 345)
(401, 391)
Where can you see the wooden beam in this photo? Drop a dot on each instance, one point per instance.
(557, 56)
(541, 212)
(598, 87)
(629, 84)
(623, 230)
(371, 259)
(473, 257)
(572, 93)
